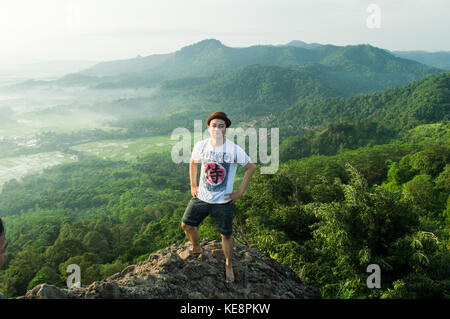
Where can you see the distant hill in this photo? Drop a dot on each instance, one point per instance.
(253, 81)
(301, 44)
(440, 59)
(132, 65)
(210, 56)
(421, 102)
(258, 88)
(264, 89)
(436, 59)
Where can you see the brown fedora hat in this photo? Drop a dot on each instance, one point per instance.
(219, 115)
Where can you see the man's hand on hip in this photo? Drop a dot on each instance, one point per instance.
(233, 196)
(194, 191)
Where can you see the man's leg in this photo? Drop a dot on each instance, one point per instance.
(192, 234)
(223, 217)
(195, 213)
(227, 245)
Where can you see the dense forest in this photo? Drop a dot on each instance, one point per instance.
(364, 176)
(325, 216)
(423, 101)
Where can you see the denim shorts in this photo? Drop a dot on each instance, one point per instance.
(222, 214)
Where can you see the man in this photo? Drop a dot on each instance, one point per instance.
(3, 246)
(214, 195)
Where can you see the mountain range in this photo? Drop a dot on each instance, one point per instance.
(254, 81)
(212, 51)
(211, 58)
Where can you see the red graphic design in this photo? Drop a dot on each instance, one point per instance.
(215, 173)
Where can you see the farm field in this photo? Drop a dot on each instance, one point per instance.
(126, 150)
(120, 150)
(18, 167)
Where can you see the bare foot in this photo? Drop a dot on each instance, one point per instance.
(229, 274)
(196, 251)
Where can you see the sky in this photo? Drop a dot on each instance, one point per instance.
(104, 30)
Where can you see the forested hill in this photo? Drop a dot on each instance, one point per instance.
(362, 179)
(250, 82)
(423, 101)
(294, 98)
(210, 57)
(325, 217)
(256, 89)
(374, 68)
(437, 59)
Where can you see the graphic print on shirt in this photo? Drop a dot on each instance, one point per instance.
(215, 176)
(215, 173)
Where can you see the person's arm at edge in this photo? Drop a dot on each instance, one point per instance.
(3, 242)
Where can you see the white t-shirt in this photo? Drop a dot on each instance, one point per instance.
(218, 169)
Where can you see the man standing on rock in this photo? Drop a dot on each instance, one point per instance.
(214, 195)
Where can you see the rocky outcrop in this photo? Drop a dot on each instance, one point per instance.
(175, 273)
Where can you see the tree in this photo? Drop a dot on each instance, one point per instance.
(89, 266)
(46, 275)
(421, 192)
(64, 249)
(23, 269)
(432, 160)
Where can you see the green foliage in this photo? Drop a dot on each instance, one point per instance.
(421, 191)
(344, 201)
(295, 87)
(107, 270)
(423, 101)
(335, 138)
(443, 180)
(89, 265)
(336, 222)
(21, 270)
(46, 275)
(432, 160)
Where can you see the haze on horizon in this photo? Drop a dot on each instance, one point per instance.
(102, 30)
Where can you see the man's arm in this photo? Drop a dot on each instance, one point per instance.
(250, 169)
(193, 177)
(193, 172)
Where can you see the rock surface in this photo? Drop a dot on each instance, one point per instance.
(175, 273)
